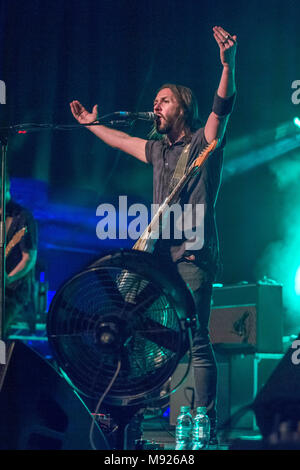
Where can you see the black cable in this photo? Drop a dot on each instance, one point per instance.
(100, 402)
(107, 119)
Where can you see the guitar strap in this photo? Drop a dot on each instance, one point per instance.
(180, 167)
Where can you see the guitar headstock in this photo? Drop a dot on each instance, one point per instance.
(204, 154)
(18, 236)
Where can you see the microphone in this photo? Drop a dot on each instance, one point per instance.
(146, 116)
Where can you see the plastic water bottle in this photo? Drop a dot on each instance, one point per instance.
(201, 429)
(184, 429)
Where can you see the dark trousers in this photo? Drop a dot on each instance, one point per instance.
(203, 358)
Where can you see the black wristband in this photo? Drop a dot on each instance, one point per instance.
(223, 106)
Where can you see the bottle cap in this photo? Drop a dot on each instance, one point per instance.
(185, 408)
(201, 409)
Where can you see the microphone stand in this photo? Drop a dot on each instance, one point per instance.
(3, 142)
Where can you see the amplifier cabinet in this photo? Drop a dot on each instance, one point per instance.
(248, 315)
(245, 376)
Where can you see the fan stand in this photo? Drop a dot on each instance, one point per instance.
(129, 429)
(128, 421)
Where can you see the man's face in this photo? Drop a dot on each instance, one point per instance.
(167, 109)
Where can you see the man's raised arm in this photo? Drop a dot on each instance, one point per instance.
(224, 99)
(112, 137)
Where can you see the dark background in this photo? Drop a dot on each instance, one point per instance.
(117, 53)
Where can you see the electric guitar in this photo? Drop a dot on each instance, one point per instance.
(148, 238)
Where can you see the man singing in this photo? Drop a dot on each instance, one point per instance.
(176, 116)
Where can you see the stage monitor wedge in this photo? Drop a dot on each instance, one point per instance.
(38, 408)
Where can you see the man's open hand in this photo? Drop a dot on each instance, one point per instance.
(227, 45)
(81, 114)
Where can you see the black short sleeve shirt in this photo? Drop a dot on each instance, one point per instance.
(202, 189)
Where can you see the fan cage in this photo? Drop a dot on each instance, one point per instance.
(140, 317)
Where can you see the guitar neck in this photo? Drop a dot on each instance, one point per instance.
(173, 196)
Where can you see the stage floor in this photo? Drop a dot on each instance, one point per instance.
(159, 434)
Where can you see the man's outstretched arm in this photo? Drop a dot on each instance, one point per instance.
(217, 121)
(112, 137)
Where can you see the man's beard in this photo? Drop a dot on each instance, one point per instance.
(163, 129)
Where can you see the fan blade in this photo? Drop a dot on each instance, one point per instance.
(111, 289)
(160, 335)
(149, 328)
